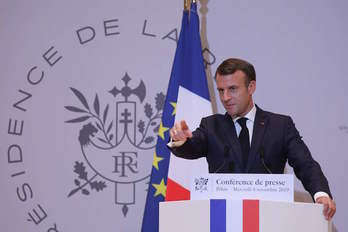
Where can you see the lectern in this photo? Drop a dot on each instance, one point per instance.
(241, 216)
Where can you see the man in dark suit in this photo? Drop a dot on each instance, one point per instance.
(247, 139)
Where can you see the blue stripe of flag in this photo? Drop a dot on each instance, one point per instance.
(195, 78)
(218, 215)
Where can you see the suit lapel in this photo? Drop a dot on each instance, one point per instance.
(232, 139)
(260, 124)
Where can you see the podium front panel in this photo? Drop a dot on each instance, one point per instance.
(241, 216)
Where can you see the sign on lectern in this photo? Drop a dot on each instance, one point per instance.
(274, 187)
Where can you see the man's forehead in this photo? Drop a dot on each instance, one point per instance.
(235, 78)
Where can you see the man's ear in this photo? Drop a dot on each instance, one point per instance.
(252, 87)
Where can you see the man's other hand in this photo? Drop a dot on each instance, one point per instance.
(329, 206)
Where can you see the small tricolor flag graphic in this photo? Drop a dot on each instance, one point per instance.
(238, 216)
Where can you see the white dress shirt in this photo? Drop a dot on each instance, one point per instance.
(249, 123)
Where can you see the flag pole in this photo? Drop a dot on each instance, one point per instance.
(187, 4)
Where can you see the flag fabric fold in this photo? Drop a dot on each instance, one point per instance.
(187, 77)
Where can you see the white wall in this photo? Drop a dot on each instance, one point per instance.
(298, 49)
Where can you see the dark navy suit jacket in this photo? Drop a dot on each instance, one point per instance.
(275, 138)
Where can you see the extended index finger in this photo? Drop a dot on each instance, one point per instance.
(177, 126)
(183, 125)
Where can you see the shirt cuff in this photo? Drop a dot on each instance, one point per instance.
(173, 144)
(320, 194)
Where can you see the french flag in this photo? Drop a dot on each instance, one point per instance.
(237, 216)
(187, 98)
(192, 104)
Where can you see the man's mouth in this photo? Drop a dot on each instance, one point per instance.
(229, 105)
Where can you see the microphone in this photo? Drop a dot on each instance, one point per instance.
(226, 155)
(262, 157)
(231, 166)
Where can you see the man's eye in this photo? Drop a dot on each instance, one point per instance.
(232, 88)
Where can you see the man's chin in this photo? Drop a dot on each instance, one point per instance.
(232, 114)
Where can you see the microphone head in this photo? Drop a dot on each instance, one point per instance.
(262, 157)
(262, 152)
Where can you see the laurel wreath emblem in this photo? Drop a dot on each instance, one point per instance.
(100, 127)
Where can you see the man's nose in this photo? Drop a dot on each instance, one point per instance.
(226, 96)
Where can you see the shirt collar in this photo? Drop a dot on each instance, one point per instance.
(250, 115)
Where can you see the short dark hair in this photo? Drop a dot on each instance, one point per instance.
(231, 65)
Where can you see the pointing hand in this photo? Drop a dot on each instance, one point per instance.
(180, 131)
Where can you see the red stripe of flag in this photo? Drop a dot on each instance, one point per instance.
(176, 192)
(251, 220)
